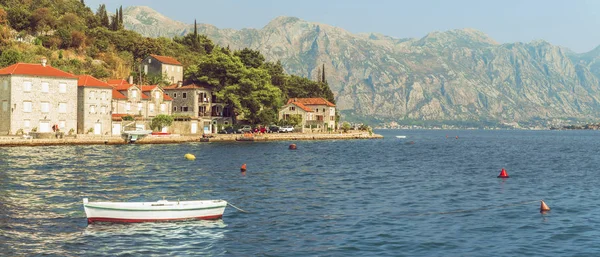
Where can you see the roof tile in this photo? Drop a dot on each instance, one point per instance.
(166, 59)
(35, 70)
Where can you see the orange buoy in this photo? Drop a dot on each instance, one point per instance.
(544, 207)
(292, 147)
(243, 168)
(503, 174)
(456, 137)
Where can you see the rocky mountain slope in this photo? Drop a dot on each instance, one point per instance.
(458, 75)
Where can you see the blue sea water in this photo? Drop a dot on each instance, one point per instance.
(436, 197)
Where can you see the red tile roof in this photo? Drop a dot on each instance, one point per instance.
(166, 59)
(122, 87)
(148, 88)
(311, 101)
(167, 97)
(302, 106)
(117, 82)
(35, 70)
(117, 95)
(89, 81)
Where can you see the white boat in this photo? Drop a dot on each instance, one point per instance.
(161, 210)
(400, 136)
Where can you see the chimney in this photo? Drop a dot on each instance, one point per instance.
(131, 80)
(44, 62)
(179, 84)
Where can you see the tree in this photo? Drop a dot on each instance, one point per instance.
(3, 16)
(18, 18)
(77, 39)
(250, 58)
(346, 126)
(161, 121)
(103, 16)
(10, 57)
(42, 20)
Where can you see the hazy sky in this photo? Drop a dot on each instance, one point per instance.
(574, 24)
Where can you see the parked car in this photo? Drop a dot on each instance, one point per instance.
(273, 129)
(245, 129)
(227, 130)
(286, 128)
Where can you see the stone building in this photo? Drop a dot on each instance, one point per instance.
(94, 99)
(199, 103)
(37, 97)
(164, 66)
(139, 101)
(317, 114)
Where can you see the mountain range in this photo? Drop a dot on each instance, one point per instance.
(455, 76)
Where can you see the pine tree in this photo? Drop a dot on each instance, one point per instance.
(83, 2)
(121, 25)
(195, 29)
(323, 75)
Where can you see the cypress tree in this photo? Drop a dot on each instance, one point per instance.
(323, 75)
(121, 17)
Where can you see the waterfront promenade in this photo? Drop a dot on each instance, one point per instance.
(175, 139)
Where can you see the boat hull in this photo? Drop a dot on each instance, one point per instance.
(161, 211)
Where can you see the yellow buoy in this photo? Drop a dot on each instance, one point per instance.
(190, 156)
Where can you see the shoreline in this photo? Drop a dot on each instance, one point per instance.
(15, 141)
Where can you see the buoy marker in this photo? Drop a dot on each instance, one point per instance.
(190, 156)
(292, 147)
(503, 174)
(243, 168)
(544, 207)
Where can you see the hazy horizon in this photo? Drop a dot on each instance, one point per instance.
(568, 24)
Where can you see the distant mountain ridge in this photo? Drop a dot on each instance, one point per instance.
(457, 75)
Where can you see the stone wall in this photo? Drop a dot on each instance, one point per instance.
(87, 117)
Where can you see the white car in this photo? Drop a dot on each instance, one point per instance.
(285, 129)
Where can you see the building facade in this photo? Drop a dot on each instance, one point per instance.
(199, 103)
(94, 100)
(164, 66)
(317, 114)
(35, 97)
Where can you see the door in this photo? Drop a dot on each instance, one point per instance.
(44, 127)
(116, 129)
(98, 129)
(194, 128)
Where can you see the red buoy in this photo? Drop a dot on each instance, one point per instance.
(503, 174)
(544, 207)
(243, 168)
(292, 147)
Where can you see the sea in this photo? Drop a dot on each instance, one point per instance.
(432, 193)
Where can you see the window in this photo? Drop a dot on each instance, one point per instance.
(149, 60)
(174, 95)
(45, 87)
(331, 118)
(184, 95)
(139, 106)
(62, 124)
(103, 95)
(27, 106)
(331, 111)
(157, 95)
(45, 107)
(163, 107)
(92, 109)
(174, 108)
(62, 88)
(184, 108)
(103, 109)
(178, 69)
(146, 69)
(26, 123)
(27, 86)
(62, 107)
(133, 93)
(323, 109)
(4, 106)
(172, 68)
(5, 85)
(317, 109)
(92, 94)
(292, 108)
(127, 106)
(151, 107)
